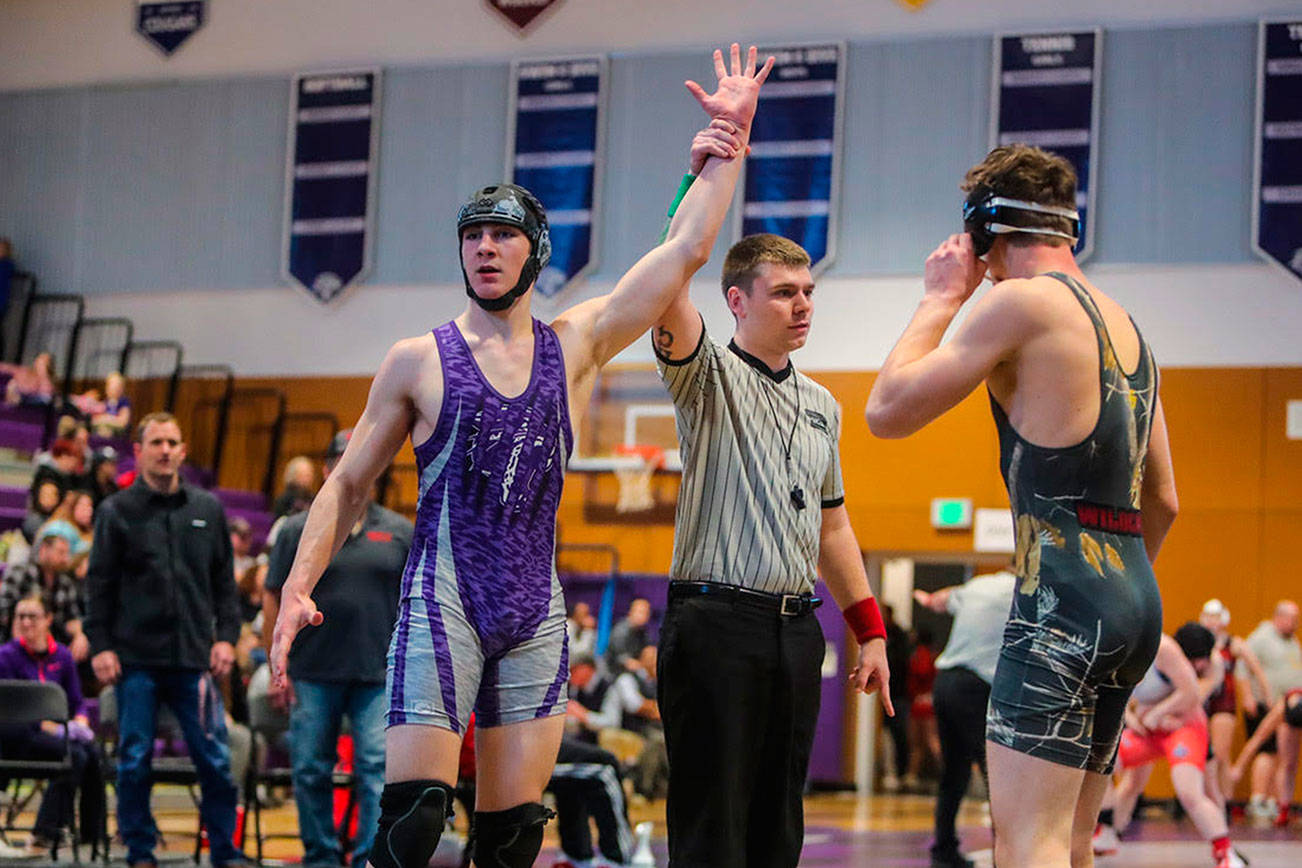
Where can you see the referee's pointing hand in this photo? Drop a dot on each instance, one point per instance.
(872, 673)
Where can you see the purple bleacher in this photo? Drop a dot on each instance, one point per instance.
(237, 498)
(199, 476)
(21, 436)
(11, 517)
(14, 496)
(121, 445)
(260, 522)
(31, 413)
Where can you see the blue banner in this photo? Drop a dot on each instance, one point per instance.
(1046, 91)
(792, 184)
(1277, 217)
(330, 177)
(554, 145)
(167, 25)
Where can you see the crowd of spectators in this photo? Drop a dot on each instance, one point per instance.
(48, 601)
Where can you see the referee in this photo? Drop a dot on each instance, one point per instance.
(761, 515)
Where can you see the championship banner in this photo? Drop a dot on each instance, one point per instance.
(1046, 94)
(1277, 211)
(792, 184)
(167, 25)
(554, 138)
(330, 177)
(521, 13)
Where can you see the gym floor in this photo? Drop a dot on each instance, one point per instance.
(841, 830)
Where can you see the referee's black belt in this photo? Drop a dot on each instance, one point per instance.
(786, 605)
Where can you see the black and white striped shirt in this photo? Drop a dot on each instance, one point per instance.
(737, 519)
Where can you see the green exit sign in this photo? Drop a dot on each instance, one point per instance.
(951, 513)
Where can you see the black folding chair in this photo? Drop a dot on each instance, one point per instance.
(267, 722)
(24, 703)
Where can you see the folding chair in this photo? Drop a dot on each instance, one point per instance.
(267, 723)
(29, 702)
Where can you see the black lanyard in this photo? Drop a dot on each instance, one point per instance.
(797, 493)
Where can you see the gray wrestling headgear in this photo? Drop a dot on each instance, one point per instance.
(511, 205)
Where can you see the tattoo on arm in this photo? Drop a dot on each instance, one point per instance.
(664, 338)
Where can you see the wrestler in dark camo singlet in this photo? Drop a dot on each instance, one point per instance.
(1086, 619)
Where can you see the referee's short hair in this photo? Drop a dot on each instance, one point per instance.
(742, 263)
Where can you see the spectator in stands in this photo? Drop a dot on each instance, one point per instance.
(587, 781)
(46, 496)
(164, 533)
(300, 487)
(112, 417)
(337, 670)
(628, 637)
(78, 510)
(250, 569)
(65, 466)
(1276, 645)
(924, 739)
(30, 386)
(651, 769)
(48, 575)
(34, 655)
(899, 648)
(582, 629)
(103, 473)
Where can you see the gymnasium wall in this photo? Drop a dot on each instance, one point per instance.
(162, 200)
(1239, 481)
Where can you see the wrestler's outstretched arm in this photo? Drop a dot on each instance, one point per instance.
(376, 439)
(599, 328)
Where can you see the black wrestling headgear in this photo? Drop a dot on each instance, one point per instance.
(515, 206)
(1195, 640)
(987, 214)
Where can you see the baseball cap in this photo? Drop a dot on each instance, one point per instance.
(339, 443)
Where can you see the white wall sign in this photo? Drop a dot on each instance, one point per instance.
(993, 531)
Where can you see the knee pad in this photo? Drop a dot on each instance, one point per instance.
(510, 838)
(412, 815)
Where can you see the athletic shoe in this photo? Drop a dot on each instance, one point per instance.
(1232, 859)
(890, 784)
(642, 856)
(1106, 841)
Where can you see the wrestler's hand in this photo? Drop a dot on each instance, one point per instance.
(872, 673)
(953, 271)
(296, 612)
(717, 140)
(738, 92)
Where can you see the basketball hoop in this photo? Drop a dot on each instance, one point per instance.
(635, 477)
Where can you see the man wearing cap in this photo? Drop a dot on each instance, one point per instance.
(338, 670)
(48, 574)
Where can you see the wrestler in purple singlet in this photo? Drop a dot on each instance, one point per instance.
(482, 620)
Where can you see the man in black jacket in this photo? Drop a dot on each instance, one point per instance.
(162, 613)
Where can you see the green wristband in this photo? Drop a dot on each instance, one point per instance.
(683, 187)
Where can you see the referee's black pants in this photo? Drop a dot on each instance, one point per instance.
(960, 698)
(738, 691)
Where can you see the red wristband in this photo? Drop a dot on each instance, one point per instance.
(865, 619)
